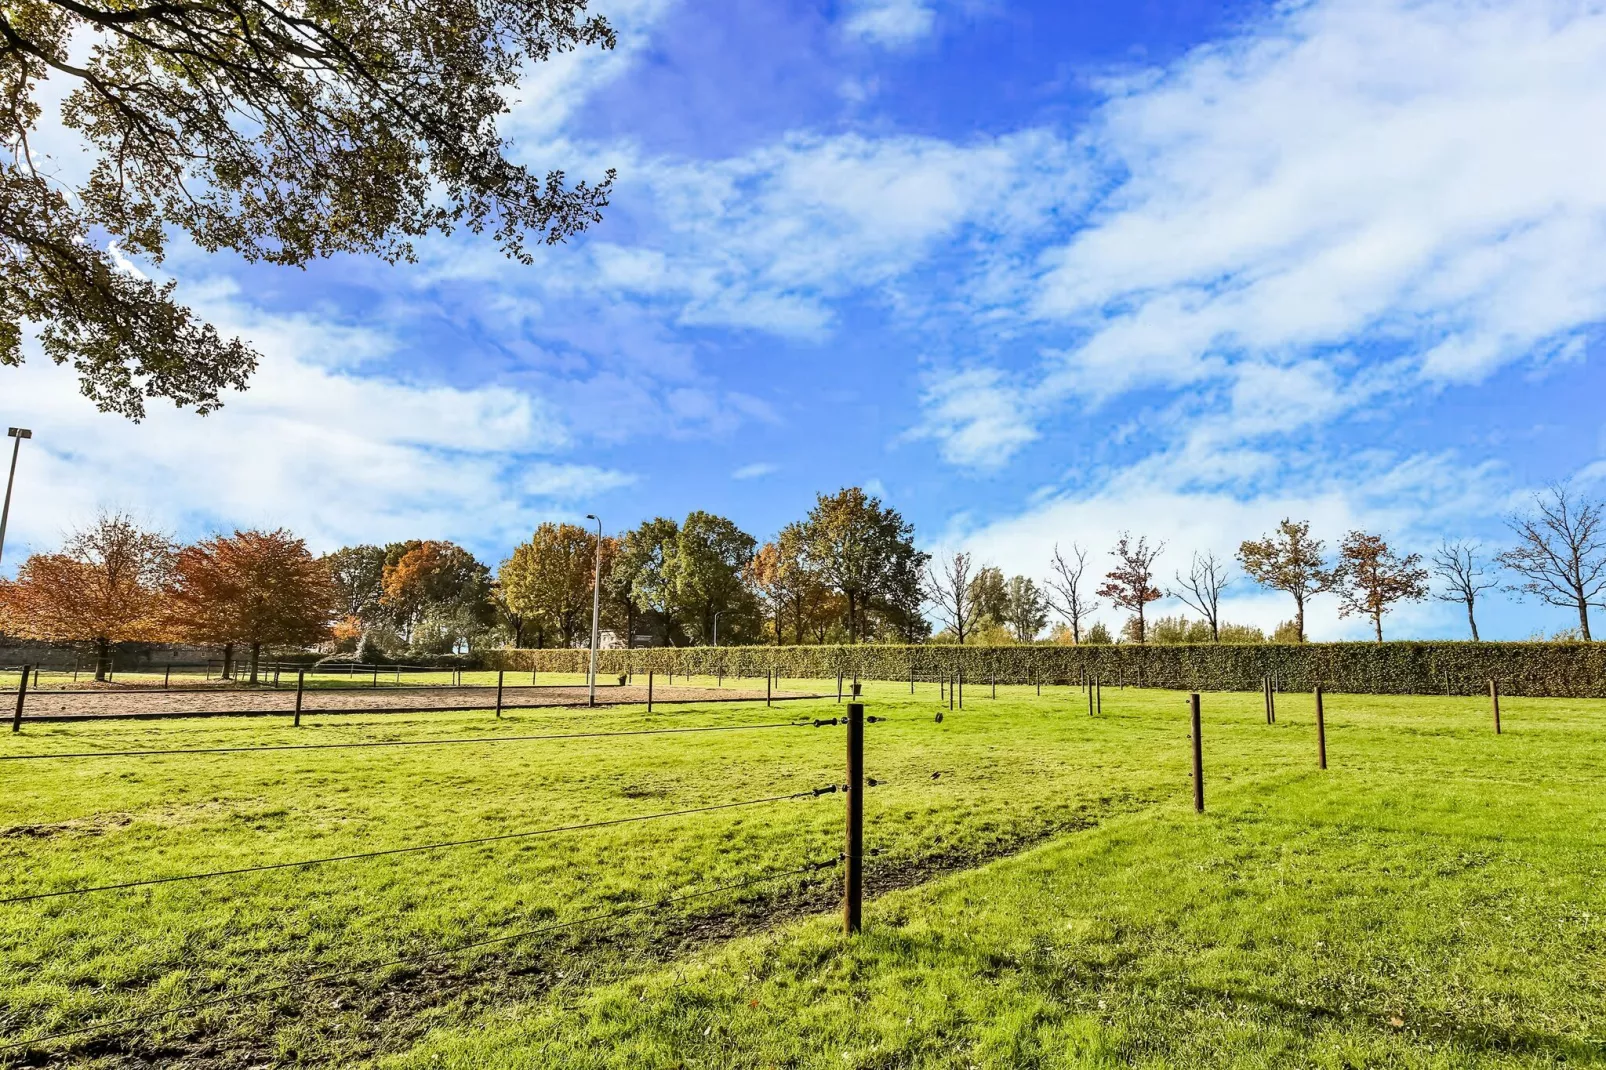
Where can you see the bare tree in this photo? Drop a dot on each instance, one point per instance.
(1201, 590)
(1560, 553)
(1130, 584)
(1456, 563)
(948, 587)
(1064, 592)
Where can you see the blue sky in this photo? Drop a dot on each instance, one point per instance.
(1037, 272)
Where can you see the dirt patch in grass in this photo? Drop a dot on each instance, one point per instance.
(355, 1019)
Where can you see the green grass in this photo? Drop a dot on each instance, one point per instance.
(1433, 899)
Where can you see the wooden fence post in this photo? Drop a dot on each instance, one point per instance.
(22, 695)
(1321, 729)
(1198, 756)
(1494, 702)
(853, 882)
(301, 685)
(499, 693)
(649, 690)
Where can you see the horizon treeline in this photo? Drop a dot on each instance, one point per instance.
(848, 571)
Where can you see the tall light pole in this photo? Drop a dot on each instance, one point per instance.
(17, 434)
(596, 610)
(716, 626)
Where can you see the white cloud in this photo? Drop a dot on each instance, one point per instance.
(333, 455)
(1351, 184)
(1411, 500)
(756, 470)
(977, 418)
(890, 23)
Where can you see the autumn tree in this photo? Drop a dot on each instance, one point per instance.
(548, 578)
(254, 588)
(1290, 560)
(1201, 589)
(1459, 566)
(1560, 553)
(1372, 578)
(1130, 584)
(948, 590)
(1025, 610)
(708, 568)
(865, 551)
(764, 577)
(283, 133)
(436, 593)
(103, 587)
(1066, 593)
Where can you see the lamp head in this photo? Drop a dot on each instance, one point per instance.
(18, 432)
(591, 516)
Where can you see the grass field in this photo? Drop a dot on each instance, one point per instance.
(1434, 899)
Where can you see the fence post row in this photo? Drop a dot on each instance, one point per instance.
(1321, 729)
(853, 876)
(1198, 756)
(22, 695)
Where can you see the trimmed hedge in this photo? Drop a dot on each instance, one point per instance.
(1556, 670)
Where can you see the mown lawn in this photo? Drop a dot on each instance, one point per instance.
(1049, 899)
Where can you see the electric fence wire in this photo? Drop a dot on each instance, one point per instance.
(231, 997)
(162, 752)
(387, 852)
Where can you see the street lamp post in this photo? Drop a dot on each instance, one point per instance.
(17, 434)
(716, 626)
(596, 610)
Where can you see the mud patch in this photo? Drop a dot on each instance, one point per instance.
(356, 1019)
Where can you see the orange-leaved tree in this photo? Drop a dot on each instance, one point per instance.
(1130, 584)
(1373, 577)
(103, 587)
(254, 588)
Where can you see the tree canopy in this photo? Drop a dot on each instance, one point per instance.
(104, 587)
(866, 551)
(1291, 561)
(283, 130)
(257, 588)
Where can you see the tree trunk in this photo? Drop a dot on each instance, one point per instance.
(228, 662)
(1583, 619)
(853, 633)
(103, 659)
(256, 657)
(1377, 622)
(1299, 617)
(1471, 621)
(1142, 632)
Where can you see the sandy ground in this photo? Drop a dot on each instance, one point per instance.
(53, 704)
